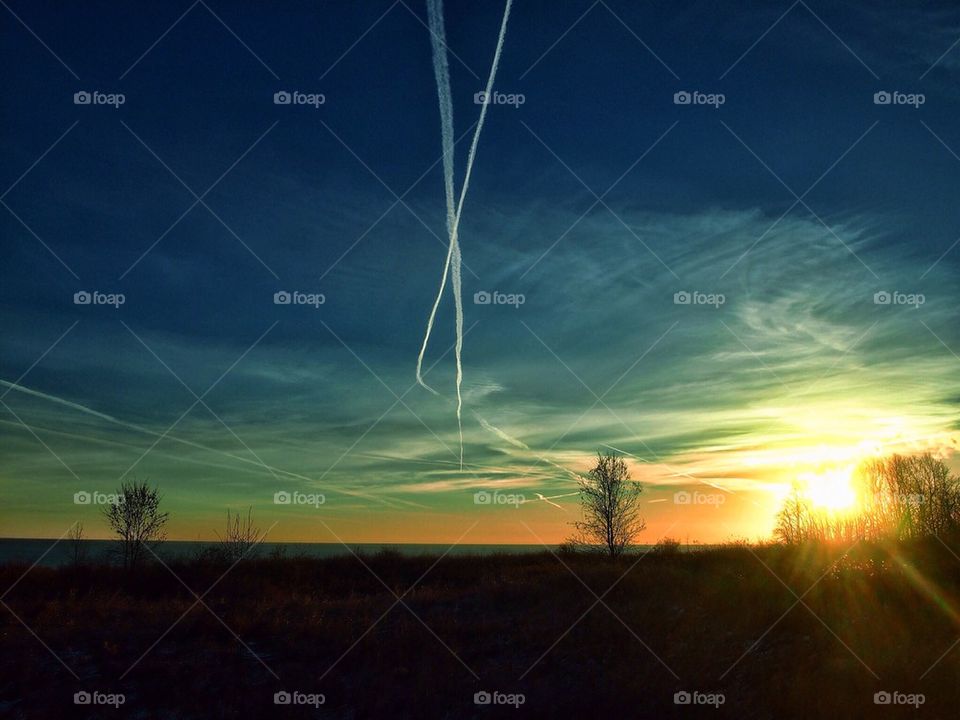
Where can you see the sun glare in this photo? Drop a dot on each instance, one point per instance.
(831, 489)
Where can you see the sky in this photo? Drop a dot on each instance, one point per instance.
(812, 227)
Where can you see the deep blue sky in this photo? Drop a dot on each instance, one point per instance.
(798, 367)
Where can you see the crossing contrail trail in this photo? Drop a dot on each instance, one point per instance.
(441, 71)
(453, 263)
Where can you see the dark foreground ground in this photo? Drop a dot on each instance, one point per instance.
(725, 621)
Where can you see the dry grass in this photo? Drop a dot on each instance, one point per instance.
(894, 608)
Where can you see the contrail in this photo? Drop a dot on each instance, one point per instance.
(454, 261)
(506, 437)
(454, 239)
(501, 434)
(189, 443)
(521, 445)
(549, 500)
(441, 71)
(395, 503)
(53, 398)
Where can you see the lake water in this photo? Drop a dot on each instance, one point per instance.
(46, 553)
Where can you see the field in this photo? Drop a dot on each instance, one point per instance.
(752, 632)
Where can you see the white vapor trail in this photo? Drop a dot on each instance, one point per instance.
(501, 434)
(441, 71)
(454, 260)
(549, 500)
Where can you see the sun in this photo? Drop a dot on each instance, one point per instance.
(831, 490)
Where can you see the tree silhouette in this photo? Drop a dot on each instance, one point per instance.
(136, 520)
(241, 538)
(610, 502)
(76, 539)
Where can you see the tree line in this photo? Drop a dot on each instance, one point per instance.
(138, 526)
(898, 498)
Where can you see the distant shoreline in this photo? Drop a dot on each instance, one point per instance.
(49, 552)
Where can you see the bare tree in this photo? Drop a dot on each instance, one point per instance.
(241, 538)
(135, 518)
(610, 503)
(78, 551)
(915, 496)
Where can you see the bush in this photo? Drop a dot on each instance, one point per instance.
(667, 546)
